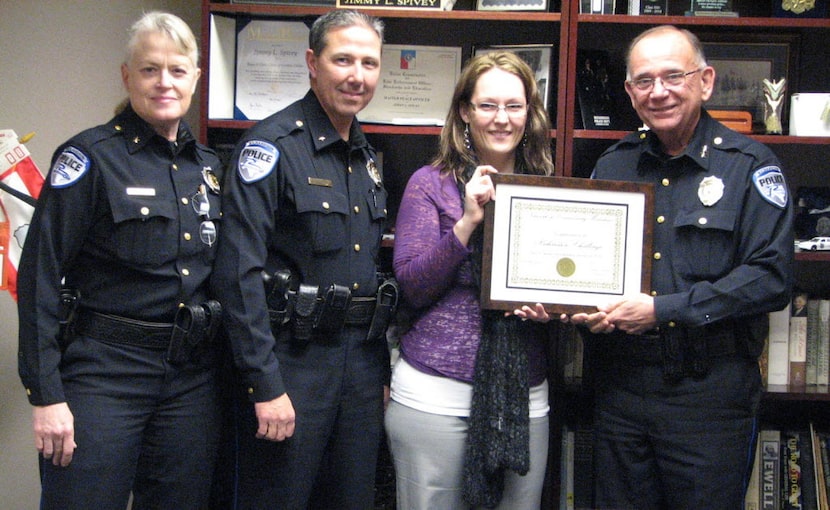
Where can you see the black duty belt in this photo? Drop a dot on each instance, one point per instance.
(647, 348)
(122, 330)
(360, 311)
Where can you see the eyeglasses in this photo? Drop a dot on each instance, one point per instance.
(201, 205)
(491, 109)
(668, 80)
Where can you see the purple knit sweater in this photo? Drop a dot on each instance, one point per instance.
(434, 272)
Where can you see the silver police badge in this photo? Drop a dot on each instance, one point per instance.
(710, 190)
(210, 179)
(372, 168)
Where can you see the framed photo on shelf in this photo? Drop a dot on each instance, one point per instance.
(537, 56)
(742, 62)
(512, 5)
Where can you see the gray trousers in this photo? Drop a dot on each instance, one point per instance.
(428, 453)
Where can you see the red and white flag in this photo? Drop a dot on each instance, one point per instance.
(20, 184)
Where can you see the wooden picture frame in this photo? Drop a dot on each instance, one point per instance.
(741, 62)
(569, 243)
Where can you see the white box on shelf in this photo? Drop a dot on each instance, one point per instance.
(810, 114)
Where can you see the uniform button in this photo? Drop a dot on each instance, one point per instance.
(654, 293)
(118, 128)
(350, 169)
(672, 324)
(384, 211)
(186, 272)
(28, 392)
(357, 209)
(321, 138)
(356, 247)
(250, 391)
(664, 182)
(175, 166)
(181, 305)
(185, 201)
(355, 286)
(298, 123)
(702, 221)
(326, 205)
(136, 139)
(187, 236)
(145, 211)
(718, 140)
(657, 256)
(661, 219)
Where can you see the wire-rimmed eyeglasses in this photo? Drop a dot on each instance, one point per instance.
(488, 109)
(675, 79)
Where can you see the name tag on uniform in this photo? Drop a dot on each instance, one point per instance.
(141, 192)
(314, 181)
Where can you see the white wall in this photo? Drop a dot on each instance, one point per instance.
(59, 74)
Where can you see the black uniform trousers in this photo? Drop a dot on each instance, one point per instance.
(675, 445)
(336, 387)
(141, 426)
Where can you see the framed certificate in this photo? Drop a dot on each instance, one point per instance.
(415, 86)
(568, 243)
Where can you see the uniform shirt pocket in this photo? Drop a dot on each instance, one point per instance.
(324, 213)
(145, 230)
(376, 202)
(705, 242)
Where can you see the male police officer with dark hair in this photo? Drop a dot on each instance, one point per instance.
(304, 203)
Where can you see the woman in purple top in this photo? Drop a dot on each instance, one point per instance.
(468, 421)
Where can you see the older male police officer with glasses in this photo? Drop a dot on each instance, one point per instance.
(677, 379)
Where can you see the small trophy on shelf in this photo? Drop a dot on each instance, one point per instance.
(774, 95)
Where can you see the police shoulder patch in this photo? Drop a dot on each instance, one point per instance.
(769, 181)
(257, 159)
(70, 166)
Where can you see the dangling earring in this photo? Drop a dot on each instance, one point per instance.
(467, 144)
(524, 139)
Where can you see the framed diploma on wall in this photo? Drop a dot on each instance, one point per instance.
(568, 243)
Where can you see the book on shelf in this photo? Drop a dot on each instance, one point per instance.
(791, 471)
(770, 480)
(752, 499)
(566, 471)
(823, 341)
(577, 468)
(808, 315)
(778, 364)
(818, 467)
(798, 351)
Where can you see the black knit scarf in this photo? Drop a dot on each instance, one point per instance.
(499, 426)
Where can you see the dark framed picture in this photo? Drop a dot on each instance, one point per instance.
(742, 62)
(537, 56)
(512, 5)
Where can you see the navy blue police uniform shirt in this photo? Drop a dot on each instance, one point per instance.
(296, 196)
(723, 225)
(130, 220)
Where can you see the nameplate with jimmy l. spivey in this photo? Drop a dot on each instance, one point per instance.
(568, 243)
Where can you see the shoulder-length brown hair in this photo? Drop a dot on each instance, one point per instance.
(533, 155)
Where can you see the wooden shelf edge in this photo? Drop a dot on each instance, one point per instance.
(306, 11)
(803, 393)
(706, 20)
(598, 134)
